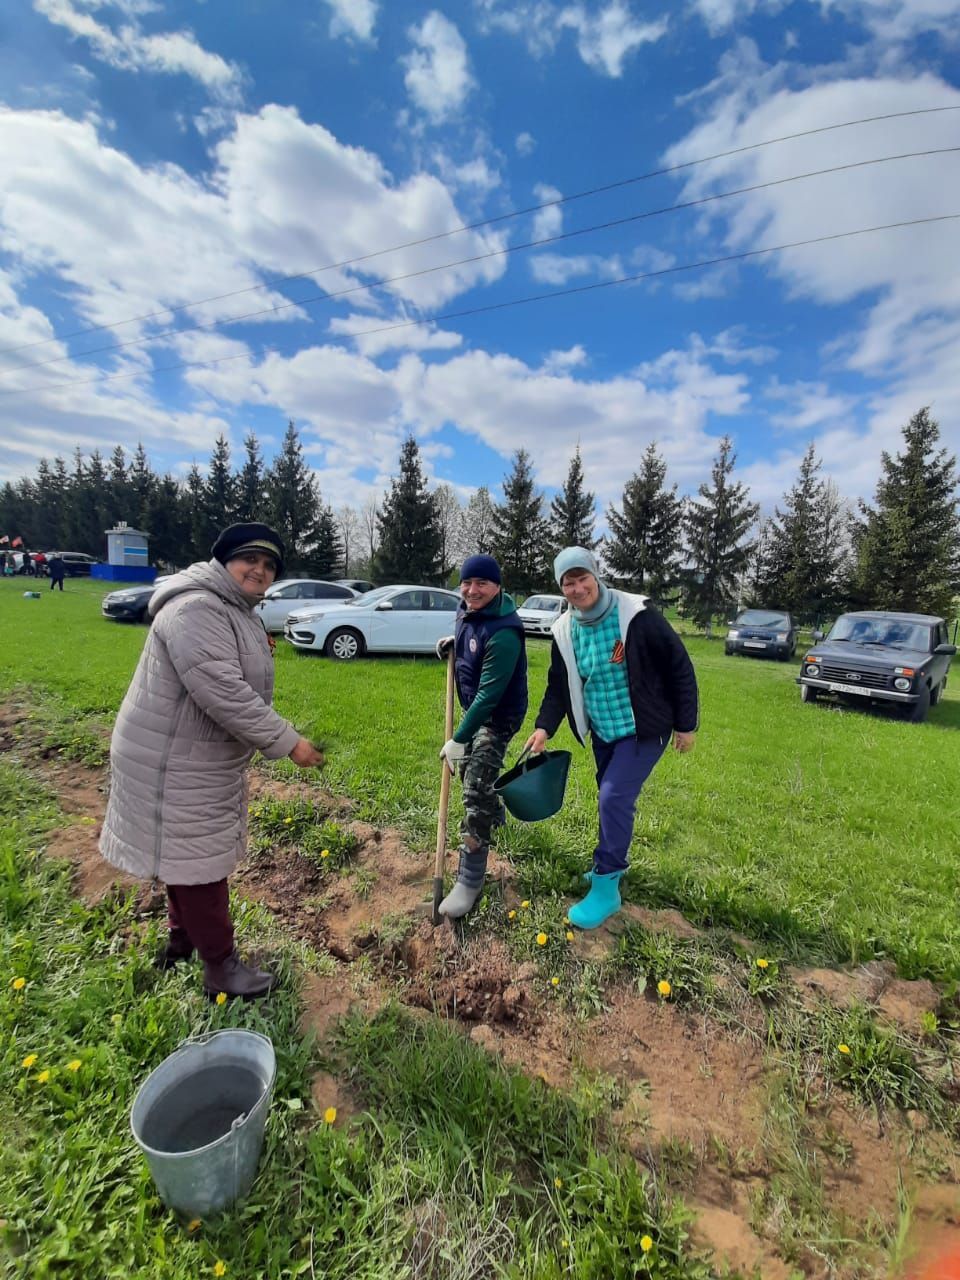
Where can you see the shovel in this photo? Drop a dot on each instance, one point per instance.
(444, 797)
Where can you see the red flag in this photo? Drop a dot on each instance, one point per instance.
(17, 542)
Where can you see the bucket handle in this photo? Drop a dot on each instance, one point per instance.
(522, 757)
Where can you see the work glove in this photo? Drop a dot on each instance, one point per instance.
(444, 645)
(453, 753)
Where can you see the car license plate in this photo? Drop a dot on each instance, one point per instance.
(848, 688)
(754, 644)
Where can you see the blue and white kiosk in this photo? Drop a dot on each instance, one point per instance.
(127, 556)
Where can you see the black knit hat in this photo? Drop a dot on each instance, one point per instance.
(249, 537)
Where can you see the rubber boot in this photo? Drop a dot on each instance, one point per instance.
(178, 947)
(601, 902)
(468, 885)
(235, 978)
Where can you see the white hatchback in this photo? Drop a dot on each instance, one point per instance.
(296, 593)
(539, 613)
(403, 619)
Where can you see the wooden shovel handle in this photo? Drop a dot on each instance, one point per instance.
(441, 853)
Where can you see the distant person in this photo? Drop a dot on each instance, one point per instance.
(197, 709)
(619, 672)
(39, 564)
(58, 571)
(26, 566)
(491, 676)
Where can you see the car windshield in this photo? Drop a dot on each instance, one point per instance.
(894, 633)
(543, 603)
(371, 597)
(762, 618)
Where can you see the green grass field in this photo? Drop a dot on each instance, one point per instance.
(826, 834)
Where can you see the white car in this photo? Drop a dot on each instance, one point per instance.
(296, 593)
(403, 619)
(539, 613)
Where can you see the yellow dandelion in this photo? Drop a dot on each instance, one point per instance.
(219, 1268)
(43, 1077)
(194, 1225)
(287, 821)
(116, 1019)
(844, 1048)
(541, 939)
(511, 915)
(664, 988)
(324, 853)
(74, 1064)
(18, 983)
(28, 1061)
(221, 997)
(330, 1115)
(569, 935)
(525, 904)
(564, 1244)
(558, 1183)
(555, 982)
(646, 1243)
(763, 964)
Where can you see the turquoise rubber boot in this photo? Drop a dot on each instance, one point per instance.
(602, 901)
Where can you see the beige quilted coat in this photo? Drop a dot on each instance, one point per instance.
(197, 709)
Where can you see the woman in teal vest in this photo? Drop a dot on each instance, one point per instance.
(619, 671)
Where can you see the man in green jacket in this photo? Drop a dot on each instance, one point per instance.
(491, 678)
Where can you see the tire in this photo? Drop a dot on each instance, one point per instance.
(343, 645)
(917, 712)
(936, 693)
(808, 693)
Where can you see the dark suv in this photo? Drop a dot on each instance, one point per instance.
(762, 631)
(880, 657)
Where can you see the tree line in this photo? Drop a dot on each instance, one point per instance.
(709, 553)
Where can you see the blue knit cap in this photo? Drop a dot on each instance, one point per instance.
(575, 558)
(480, 566)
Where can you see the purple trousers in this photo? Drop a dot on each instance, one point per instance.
(200, 914)
(622, 769)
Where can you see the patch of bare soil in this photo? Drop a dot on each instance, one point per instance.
(686, 1085)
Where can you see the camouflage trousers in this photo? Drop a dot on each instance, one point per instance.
(479, 770)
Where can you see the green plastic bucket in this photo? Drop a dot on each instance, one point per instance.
(533, 789)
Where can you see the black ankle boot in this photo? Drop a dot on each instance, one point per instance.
(235, 978)
(178, 947)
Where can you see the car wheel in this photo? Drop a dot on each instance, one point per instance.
(344, 645)
(936, 693)
(808, 693)
(916, 713)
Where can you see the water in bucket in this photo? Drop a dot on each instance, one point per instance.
(199, 1120)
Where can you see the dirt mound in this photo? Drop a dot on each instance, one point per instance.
(478, 984)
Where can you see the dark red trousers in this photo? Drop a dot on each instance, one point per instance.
(200, 913)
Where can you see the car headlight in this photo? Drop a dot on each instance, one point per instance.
(902, 683)
(781, 636)
(812, 669)
(733, 635)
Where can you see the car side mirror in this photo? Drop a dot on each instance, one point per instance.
(384, 605)
(948, 650)
(817, 636)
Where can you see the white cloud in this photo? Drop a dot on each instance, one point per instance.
(411, 337)
(129, 49)
(353, 18)
(437, 77)
(563, 361)
(811, 406)
(547, 222)
(560, 269)
(605, 37)
(894, 20)
(525, 143)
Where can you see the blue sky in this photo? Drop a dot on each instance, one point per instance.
(159, 155)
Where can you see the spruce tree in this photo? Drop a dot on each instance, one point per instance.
(250, 496)
(142, 484)
(804, 547)
(717, 552)
(325, 558)
(572, 512)
(643, 551)
(907, 546)
(220, 490)
(408, 525)
(119, 489)
(518, 537)
(197, 542)
(293, 503)
(49, 506)
(167, 524)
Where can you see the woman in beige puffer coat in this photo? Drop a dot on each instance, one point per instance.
(197, 709)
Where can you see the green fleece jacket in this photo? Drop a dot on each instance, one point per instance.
(499, 662)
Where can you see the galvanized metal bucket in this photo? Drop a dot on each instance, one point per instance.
(199, 1119)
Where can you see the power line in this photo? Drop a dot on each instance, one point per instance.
(517, 302)
(483, 222)
(333, 295)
